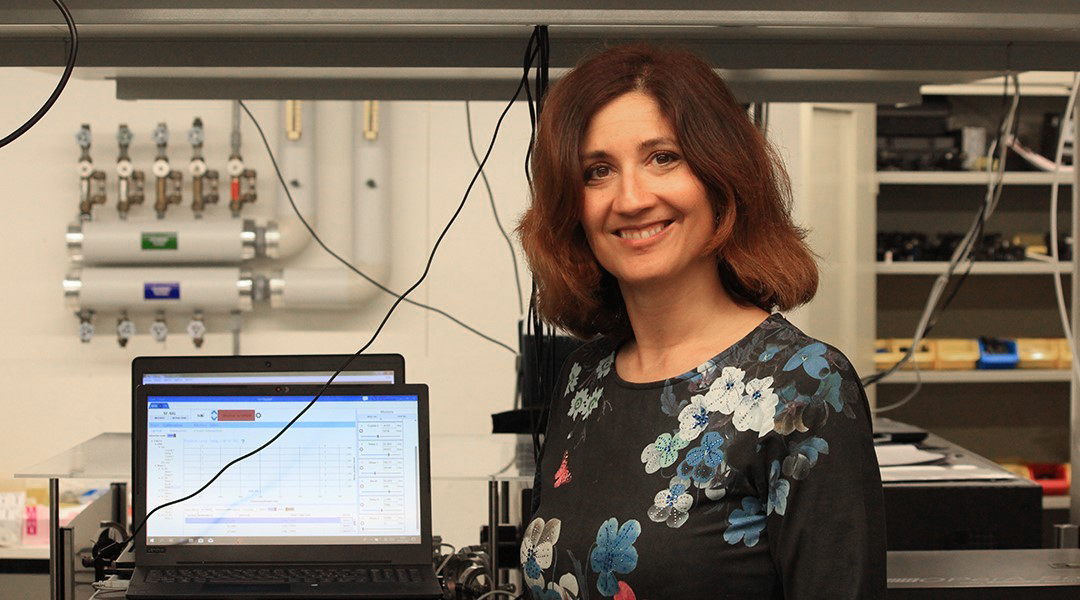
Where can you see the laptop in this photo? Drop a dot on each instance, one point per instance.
(337, 507)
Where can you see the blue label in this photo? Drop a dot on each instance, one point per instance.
(161, 291)
(159, 405)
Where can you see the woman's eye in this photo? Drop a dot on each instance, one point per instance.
(665, 158)
(597, 172)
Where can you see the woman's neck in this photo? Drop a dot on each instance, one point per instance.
(678, 327)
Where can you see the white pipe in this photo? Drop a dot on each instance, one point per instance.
(210, 289)
(287, 236)
(158, 242)
(340, 288)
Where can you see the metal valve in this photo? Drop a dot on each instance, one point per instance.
(92, 182)
(130, 183)
(197, 329)
(197, 166)
(159, 330)
(169, 182)
(86, 325)
(125, 329)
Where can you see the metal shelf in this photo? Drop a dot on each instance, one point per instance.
(980, 376)
(825, 50)
(969, 178)
(1029, 267)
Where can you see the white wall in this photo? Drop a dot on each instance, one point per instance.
(58, 391)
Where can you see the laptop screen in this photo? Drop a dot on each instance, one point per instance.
(348, 472)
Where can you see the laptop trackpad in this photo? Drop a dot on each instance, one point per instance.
(244, 588)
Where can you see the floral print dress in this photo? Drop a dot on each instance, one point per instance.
(752, 476)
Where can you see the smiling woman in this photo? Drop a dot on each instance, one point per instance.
(699, 445)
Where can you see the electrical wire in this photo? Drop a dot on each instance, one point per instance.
(116, 548)
(494, 210)
(73, 52)
(347, 264)
(962, 253)
(1059, 157)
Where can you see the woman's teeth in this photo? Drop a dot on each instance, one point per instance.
(640, 234)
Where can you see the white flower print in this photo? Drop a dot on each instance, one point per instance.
(604, 366)
(590, 402)
(577, 405)
(673, 504)
(727, 390)
(572, 380)
(537, 549)
(756, 409)
(567, 588)
(663, 452)
(694, 418)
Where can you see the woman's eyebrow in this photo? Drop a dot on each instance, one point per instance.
(645, 145)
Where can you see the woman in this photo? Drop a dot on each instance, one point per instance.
(699, 446)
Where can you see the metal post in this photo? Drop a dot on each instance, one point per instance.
(493, 533)
(55, 575)
(1074, 388)
(119, 503)
(67, 563)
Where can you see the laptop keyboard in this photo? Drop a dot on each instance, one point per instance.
(259, 575)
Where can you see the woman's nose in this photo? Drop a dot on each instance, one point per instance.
(633, 194)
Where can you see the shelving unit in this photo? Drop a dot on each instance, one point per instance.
(980, 376)
(1028, 267)
(1010, 415)
(1064, 177)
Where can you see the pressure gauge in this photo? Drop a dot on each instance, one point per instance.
(161, 134)
(85, 168)
(83, 137)
(235, 167)
(124, 136)
(124, 168)
(196, 134)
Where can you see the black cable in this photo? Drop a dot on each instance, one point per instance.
(344, 262)
(494, 210)
(73, 51)
(118, 547)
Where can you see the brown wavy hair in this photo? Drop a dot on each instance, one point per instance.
(762, 258)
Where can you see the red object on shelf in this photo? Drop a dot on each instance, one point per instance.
(1054, 478)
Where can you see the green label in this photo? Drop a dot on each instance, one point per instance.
(160, 240)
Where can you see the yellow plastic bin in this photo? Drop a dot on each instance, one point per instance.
(956, 354)
(884, 356)
(1064, 354)
(924, 356)
(1038, 353)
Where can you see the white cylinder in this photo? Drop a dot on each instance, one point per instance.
(371, 194)
(210, 289)
(159, 241)
(287, 236)
(323, 289)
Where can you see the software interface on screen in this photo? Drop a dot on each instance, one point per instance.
(348, 472)
(284, 377)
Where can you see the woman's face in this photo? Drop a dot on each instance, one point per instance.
(646, 216)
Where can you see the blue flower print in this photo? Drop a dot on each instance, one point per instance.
(694, 418)
(829, 391)
(708, 452)
(804, 455)
(614, 553)
(811, 359)
(539, 593)
(778, 490)
(538, 548)
(745, 524)
(769, 353)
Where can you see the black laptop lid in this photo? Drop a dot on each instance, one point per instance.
(348, 482)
